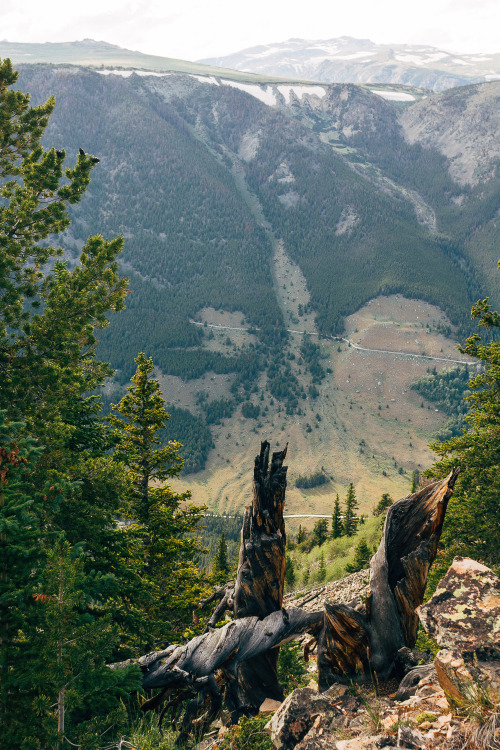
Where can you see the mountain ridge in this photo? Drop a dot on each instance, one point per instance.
(99, 54)
(346, 59)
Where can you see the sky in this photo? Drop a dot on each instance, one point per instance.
(196, 29)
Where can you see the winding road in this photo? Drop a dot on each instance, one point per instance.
(347, 341)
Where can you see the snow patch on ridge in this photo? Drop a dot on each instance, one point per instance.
(128, 73)
(265, 95)
(394, 96)
(206, 79)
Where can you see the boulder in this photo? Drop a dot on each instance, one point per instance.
(408, 737)
(477, 682)
(296, 716)
(464, 613)
(318, 737)
(269, 706)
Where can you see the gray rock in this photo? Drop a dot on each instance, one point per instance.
(296, 716)
(408, 737)
(464, 613)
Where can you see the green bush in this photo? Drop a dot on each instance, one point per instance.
(292, 670)
(249, 734)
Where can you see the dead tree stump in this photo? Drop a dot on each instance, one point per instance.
(260, 578)
(357, 645)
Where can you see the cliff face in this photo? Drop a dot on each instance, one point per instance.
(463, 125)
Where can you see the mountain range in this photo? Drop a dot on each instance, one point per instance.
(345, 59)
(263, 219)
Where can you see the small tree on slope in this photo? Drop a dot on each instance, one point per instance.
(165, 520)
(351, 505)
(472, 526)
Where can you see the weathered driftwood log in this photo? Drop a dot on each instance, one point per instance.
(210, 661)
(356, 645)
(260, 579)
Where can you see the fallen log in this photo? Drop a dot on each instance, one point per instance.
(206, 668)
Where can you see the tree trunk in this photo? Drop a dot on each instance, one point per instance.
(362, 645)
(260, 578)
(190, 670)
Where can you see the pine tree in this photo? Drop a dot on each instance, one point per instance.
(142, 415)
(289, 573)
(166, 520)
(221, 567)
(322, 568)
(415, 481)
(351, 505)
(472, 526)
(48, 318)
(383, 504)
(70, 645)
(337, 526)
(361, 557)
(306, 576)
(301, 535)
(320, 532)
(21, 553)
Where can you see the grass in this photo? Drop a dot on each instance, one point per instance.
(145, 735)
(249, 734)
(98, 55)
(337, 552)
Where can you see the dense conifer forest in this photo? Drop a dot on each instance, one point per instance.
(167, 182)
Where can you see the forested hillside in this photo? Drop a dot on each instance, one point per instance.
(203, 179)
(166, 147)
(100, 550)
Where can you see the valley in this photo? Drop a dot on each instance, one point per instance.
(366, 425)
(199, 265)
(298, 256)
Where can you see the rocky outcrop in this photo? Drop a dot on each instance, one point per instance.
(464, 618)
(351, 590)
(476, 682)
(464, 613)
(305, 710)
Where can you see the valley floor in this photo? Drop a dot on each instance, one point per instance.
(366, 426)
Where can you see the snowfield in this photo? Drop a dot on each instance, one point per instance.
(128, 73)
(265, 95)
(206, 79)
(394, 96)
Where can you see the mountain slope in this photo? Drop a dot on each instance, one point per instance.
(246, 224)
(360, 60)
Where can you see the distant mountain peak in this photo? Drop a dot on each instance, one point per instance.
(346, 59)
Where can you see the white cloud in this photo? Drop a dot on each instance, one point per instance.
(199, 29)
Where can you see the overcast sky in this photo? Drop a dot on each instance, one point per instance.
(194, 29)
